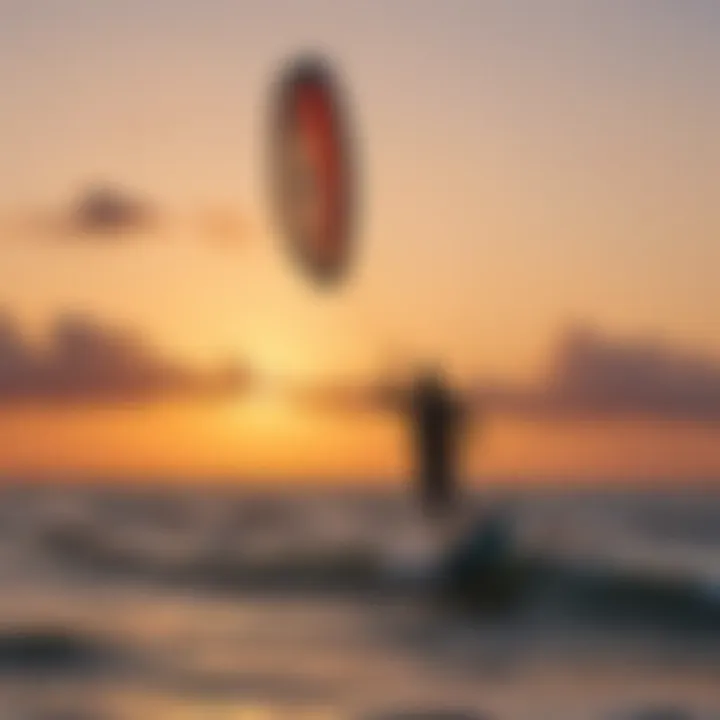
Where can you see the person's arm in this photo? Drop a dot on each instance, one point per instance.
(351, 397)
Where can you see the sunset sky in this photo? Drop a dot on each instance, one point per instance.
(526, 167)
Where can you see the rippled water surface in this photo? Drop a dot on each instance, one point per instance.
(196, 604)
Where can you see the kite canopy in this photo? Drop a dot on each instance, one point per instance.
(312, 179)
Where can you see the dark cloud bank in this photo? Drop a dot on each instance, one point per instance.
(593, 376)
(84, 362)
(590, 376)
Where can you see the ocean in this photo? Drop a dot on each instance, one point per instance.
(132, 601)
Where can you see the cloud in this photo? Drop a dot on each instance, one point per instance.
(98, 213)
(221, 226)
(590, 376)
(103, 211)
(105, 214)
(595, 376)
(85, 362)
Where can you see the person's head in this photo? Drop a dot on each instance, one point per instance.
(430, 375)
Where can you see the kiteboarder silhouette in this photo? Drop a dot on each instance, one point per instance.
(437, 416)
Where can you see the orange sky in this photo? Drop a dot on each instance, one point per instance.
(522, 168)
(268, 442)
